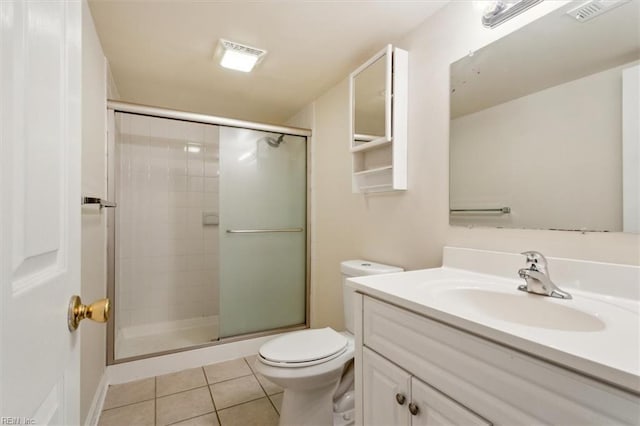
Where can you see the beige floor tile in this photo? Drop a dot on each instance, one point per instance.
(208, 420)
(180, 381)
(255, 413)
(236, 391)
(277, 400)
(139, 414)
(128, 393)
(227, 370)
(183, 405)
(269, 387)
(251, 361)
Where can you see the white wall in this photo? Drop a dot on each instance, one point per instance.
(409, 229)
(631, 149)
(504, 156)
(166, 259)
(92, 335)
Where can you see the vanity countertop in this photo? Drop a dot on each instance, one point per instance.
(594, 334)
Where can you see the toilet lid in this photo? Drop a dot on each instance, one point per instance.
(304, 346)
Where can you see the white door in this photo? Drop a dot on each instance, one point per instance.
(386, 392)
(39, 210)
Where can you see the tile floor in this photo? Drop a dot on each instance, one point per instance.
(226, 394)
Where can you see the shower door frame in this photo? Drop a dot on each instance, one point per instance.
(114, 106)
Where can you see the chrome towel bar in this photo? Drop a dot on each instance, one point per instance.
(504, 210)
(95, 200)
(262, 231)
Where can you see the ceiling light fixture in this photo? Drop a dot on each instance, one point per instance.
(499, 11)
(238, 56)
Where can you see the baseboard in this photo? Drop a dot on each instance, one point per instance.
(98, 401)
(156, 366)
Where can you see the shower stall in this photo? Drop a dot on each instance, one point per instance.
(208, 242)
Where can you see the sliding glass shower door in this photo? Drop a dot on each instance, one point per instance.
(208, 239)
(262, 231)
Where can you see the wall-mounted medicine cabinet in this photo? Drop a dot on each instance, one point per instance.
(378, 97)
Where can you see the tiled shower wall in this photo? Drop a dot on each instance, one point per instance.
(166, 258)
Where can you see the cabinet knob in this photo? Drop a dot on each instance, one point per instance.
(413, 409)
(401, 398)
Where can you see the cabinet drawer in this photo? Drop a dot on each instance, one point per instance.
(496, 382)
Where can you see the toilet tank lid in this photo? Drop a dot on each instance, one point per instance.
(359, 268)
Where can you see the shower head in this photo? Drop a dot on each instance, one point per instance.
(273, 142)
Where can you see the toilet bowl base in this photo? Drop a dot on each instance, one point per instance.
(313, 407)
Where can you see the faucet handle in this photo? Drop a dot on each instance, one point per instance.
(535, 260)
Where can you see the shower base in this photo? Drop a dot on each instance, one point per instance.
(165, 336)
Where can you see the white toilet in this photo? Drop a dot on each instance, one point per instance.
(315, 366)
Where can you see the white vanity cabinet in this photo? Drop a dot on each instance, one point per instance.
(393, 397)
(386, 391)
(456, 378)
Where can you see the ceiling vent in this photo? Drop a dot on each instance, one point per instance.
(239, 56)
(589, 10)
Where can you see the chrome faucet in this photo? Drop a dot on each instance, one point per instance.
(536, 275)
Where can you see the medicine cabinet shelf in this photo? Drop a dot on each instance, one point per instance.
(372, 171)
(365, 146)
(378, 96)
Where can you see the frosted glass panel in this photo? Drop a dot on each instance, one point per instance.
(262, 187)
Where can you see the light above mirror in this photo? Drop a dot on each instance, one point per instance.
(500, 11)
(543, 122)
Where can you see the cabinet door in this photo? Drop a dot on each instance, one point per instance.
(436, 409)
(386, 392)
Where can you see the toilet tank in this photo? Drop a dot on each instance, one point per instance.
(359, 268)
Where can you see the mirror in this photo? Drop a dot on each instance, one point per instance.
(369, 97)
(544, 125)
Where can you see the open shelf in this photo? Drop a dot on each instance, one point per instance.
(372, 171)
(379, 143)
(376, 188)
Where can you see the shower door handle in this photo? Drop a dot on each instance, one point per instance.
(262, 231)
(95, 200)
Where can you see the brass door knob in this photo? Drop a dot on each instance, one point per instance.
(97, 311)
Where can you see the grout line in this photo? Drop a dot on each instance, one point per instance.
(194, 417)
(211, 395)
(267, 395)
(128, 404)
(273, 403)
(228, 380)
(182, 391)
(248, 365)
(246, 402)
(155, 400)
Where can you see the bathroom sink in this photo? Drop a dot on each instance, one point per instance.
(522, 308)
(597, 332)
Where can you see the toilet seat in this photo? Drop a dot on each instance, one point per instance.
(303, 348)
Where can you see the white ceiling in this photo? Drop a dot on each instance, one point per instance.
(161, 53)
